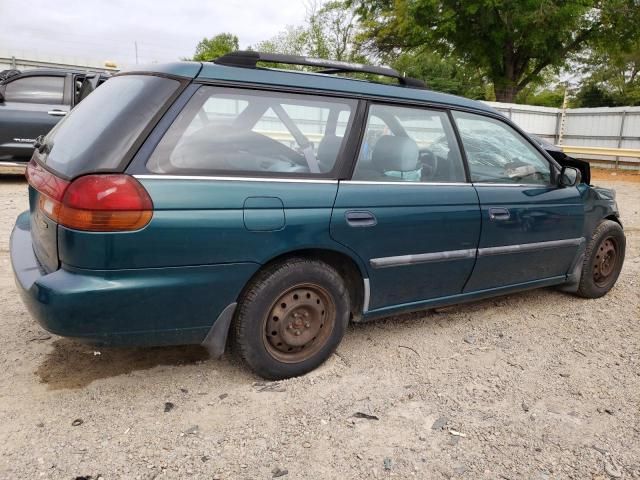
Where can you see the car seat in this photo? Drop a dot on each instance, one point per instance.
(392, 159)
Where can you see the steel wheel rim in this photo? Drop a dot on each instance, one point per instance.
(299, 323)
(605, 262)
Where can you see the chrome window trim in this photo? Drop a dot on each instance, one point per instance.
(401, 260)
(529, 247)
(367, 296)
(373, 182)
(480, 184)
(161, 176)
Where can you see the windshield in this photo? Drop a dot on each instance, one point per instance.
(98, 134)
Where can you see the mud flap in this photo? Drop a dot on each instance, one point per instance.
(216, 339)
(575, 272)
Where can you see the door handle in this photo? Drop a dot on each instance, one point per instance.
(57, 113)
(499, 214)
(360, 218)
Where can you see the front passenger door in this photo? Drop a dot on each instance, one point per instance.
(531, 227)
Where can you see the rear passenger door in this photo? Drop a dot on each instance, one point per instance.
(408, 211)
(32, 106)
(531, 227)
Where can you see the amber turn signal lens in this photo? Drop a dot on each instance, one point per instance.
(103, 220)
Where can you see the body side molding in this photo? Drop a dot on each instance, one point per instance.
(529, 247)
(400, 260)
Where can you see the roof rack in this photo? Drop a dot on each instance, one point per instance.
(250, 59)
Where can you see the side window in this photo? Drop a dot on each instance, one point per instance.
(496, 153)
(39, 89)
(235, 131)
(408, 144)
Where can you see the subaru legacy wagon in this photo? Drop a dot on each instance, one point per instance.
(192, 203)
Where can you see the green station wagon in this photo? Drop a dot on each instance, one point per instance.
(192, 203)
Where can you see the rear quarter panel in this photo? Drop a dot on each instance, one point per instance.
(205, 222)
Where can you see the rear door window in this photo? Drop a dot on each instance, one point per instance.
(245, 132)
(409, 144)
(99, 133)
(36, 89)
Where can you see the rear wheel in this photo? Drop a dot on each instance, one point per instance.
(603, 260)
(291, 318)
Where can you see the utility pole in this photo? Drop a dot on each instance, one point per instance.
(135, 45)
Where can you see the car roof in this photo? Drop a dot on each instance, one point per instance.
(209, 71)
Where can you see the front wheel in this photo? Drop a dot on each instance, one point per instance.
(603, 260)
(291, 318)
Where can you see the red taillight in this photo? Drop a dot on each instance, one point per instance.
(45, 182)
(99, 203)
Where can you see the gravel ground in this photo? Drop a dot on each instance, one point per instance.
(537, 385)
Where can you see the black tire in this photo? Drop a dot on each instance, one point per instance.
(603, 260)
(284, 311)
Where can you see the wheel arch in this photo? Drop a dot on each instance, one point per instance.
(614, 218)
(346, 265)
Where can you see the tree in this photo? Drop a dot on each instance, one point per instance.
(611, 75)
(544, 97)
(329, 32)
(214, 47)
(290, 41)
(511, 42)
(592, 95)
(448, 75)
(332, 32)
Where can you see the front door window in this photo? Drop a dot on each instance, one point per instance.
(496, 153)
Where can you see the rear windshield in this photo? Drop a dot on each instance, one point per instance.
(98, 134)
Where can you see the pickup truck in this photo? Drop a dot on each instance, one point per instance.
(31, 103)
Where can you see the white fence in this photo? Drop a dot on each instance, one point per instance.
(7, 63)
(615, 127)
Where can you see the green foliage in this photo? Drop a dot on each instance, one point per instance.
(612, 75)
(546, 97)
(480, 49)
(510, 42)
(291, 41)
(448, 75)
(214, 47)
(329, 32)
(592, 95)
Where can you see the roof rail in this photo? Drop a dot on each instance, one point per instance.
(250, 59)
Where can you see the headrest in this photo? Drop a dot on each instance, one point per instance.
(398, 154)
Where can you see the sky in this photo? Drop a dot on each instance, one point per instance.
(107, 30)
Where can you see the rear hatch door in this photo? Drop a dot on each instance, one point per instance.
(100, 135)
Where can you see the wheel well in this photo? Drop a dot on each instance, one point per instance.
(345, 266)
(613, 218)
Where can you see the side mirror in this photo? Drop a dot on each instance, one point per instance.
(569, 177)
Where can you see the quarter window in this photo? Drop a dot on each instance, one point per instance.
(496, 153)
(225, 130)
(37, 89)
(408, 145)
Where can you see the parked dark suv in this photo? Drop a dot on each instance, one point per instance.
(182, 202)
(31, 103)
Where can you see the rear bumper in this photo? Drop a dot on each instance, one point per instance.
(155, 306)
(12, 168)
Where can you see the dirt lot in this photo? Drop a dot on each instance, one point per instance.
(538, 385)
